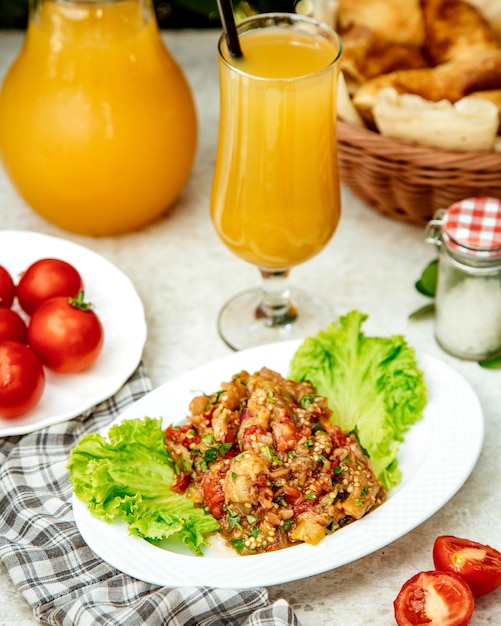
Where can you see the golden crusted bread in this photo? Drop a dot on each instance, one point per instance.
(366, 55)
(454, 28)
(400, 21)
(449, 81)
(438, 50)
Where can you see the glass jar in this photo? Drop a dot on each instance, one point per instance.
(468, 296)
(97, 122)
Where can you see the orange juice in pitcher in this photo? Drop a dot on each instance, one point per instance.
(98, 126)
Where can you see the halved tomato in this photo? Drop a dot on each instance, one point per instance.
(434, 599)
(478, 564)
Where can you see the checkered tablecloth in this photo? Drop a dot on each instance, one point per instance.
(64, 582)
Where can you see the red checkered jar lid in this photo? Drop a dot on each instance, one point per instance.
(473, 227)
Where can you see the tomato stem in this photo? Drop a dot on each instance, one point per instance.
(79, 303)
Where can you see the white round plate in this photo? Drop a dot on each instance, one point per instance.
(445, 443)
(120, 310)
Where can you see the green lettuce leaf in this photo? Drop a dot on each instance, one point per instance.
(128, 477)
(373, 385)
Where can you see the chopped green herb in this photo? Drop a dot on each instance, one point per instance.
(211, 455)
(307, 400)
(233, 518)
(201, 465)
(238, 544)
(216, 451)
(269, 452)
(280, 499)
(318, 427)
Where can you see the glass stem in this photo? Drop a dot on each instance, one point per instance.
(276, 307)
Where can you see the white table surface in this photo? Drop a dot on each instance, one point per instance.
(183, 274)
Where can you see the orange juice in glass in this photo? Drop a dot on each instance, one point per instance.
(98, 126)
(275, 196)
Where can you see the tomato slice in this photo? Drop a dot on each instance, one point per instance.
(434, 599)
(478, 564)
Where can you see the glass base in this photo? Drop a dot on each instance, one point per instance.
(242, 323)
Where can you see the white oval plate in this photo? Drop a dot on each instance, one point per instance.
(445, 443)
(120, 310)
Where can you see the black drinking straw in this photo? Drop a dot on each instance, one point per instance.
(230, 30)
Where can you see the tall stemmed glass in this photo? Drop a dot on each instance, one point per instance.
(275, 196)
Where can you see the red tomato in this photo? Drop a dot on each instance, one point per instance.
(65, 334)
(434, 599)
(7, 289)
(479, 565)
(47, 278)
(22, 379)
(12, 326)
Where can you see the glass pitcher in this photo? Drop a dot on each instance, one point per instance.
(98, 126)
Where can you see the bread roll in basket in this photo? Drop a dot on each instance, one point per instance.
(415, 74)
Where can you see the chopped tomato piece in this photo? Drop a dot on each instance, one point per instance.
(184, 434)
(479, 565)
(181, 483)
(434, 599)
(212, 486)
(254, 432)
(291, 494)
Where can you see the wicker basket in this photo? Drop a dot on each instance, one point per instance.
(408, 182)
